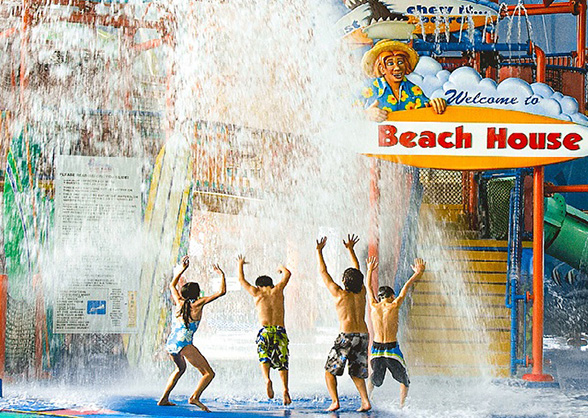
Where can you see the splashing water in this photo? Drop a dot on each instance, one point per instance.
(273, 78)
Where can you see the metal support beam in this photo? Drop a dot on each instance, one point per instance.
(537, 374)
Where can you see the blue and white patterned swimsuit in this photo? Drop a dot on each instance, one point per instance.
(180, 336)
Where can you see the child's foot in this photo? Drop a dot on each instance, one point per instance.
(199, 404)
(334, 406)
(365, 407)
(287, 399)
(165, 402)
(270, 389)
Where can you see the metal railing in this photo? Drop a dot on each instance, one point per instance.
(512, 296)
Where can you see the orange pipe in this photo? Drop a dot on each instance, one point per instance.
(117, 22)
(126, 43)
(81, 4)
(169, 100)
(91, 18)
(581, 34)
(538, 194)
(539, 9)
(576, 188)
(24, 41)
(541, 63)
(147, 45)
(8, 33)
(3, 307)
(490, 70)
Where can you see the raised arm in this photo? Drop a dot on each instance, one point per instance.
(223, 287)
(174, 283)
(349, 244)
(331, 285)
(286, 274)
(246, 285)
(372, 265)
(419, 268)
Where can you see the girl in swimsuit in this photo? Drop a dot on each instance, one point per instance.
(185, 322)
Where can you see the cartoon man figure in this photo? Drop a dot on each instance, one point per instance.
(389, 62)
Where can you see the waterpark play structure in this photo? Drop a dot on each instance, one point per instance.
(474, 310)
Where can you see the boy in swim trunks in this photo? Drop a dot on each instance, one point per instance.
(386, 354)
(272, 340)
(352, 343)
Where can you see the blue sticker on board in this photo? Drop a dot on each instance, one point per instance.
(96, 307)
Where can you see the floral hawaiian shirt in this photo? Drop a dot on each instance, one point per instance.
(411, 95)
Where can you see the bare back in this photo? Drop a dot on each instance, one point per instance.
(269, 302)
(195, 309)
(350, 309)
(384, 317)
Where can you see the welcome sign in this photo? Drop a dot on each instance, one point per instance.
(472, 138)
(430, 117)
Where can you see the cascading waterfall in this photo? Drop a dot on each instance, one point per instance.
(255, 83)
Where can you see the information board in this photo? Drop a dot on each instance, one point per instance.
(97, 244)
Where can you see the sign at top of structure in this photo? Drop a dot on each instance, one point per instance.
(399, 19)
(419, 114)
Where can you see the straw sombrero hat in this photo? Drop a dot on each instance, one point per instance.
(370, 57)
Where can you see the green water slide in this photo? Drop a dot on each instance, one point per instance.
(566, 233)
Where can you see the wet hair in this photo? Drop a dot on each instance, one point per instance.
(385, 292)
(353, 280)
(263, 281)
(189, 292)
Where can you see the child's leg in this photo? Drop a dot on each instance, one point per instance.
(403, 393)
(284, 377)
(197, 360)
(173, 379)
(365, 399)
(332, 388)
(370, 386)
(265, 370)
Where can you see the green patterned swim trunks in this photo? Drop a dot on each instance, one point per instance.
(272, 346)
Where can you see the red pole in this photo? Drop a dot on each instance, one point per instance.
(490, 70)
(374, 226)
(3, 307)
(473, 200)
(478, 62)
(374, 234)
(537, 374)
(126, 43)
(581, 33)
(575, 188)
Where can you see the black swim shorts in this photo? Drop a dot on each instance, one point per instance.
(352, 348)
(387, 356)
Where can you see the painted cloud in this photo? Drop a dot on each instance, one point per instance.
(465, 86)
